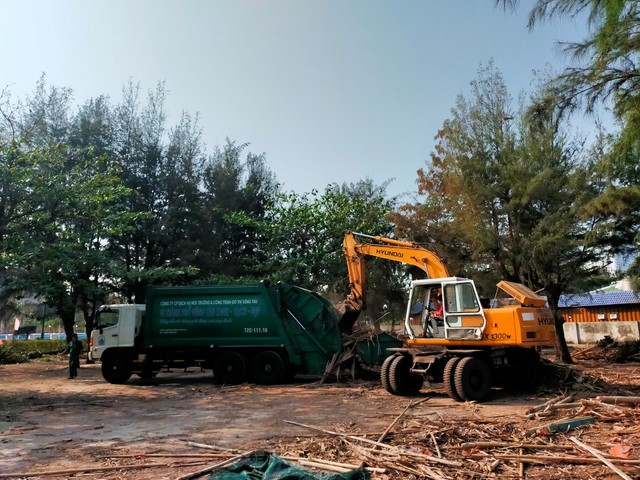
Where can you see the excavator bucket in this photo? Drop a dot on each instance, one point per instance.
(348, 316)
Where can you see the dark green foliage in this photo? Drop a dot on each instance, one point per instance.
(604, 72)
(98, 204)
(506, 197)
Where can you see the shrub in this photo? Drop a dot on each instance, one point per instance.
(19, 351)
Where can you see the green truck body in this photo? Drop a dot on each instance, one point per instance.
(262, 332)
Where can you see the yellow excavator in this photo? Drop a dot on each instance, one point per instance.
(453, 336)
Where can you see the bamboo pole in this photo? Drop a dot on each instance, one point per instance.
(619, 400)
(544, 459)
(547, 403)
(384, 445)
(598, 455)
(468, 445)
(397, 419)
(224, 463)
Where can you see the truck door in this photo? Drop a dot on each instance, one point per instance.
(463, 315)
(106, 332)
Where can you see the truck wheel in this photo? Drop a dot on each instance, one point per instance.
(401, 380)
(267, 368)
(449, 379)
(384, 373)
(472, 379)
(116, 369)
(229, 367)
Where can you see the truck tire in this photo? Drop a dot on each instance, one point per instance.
(401, 380)
(116, 368)
(229, 367)
(268, 368)
(472, 379)
(449, 378)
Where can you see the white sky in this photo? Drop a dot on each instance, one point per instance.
(331, 90)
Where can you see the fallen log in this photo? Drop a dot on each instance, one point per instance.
(619, 400)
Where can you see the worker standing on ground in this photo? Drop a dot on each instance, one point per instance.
(75, 349)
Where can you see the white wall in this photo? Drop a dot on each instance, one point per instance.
(591, 332)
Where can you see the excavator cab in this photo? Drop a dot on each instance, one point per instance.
(459, 317)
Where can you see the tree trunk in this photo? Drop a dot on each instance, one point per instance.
(67, 314)
(562, 350)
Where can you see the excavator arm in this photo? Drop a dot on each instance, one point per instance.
(381, 247)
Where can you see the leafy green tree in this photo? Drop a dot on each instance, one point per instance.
(56, 230)
(234, 187)
(182, 215)
(303, 242)
(605, 69)
(140, 150)
(508, 190)
(44, 120)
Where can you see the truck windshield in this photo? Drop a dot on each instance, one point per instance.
(107, 318)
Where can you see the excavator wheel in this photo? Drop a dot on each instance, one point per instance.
(401, 380)
(449, 378)
(472, 379)
(384, 372)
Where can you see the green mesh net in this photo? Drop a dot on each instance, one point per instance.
(268, 466)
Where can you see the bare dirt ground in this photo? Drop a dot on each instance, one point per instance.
(49, 423)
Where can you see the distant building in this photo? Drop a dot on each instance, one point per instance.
(591, 316)
(601, 306)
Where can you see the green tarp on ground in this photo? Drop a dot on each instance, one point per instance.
(268, 466)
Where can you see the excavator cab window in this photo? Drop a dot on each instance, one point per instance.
(463, 314)
(461, 298)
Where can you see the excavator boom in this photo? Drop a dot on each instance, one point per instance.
(381, 247)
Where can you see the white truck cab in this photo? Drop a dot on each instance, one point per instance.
(115, 326)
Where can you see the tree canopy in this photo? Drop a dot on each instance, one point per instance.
(505, 196)
(98, 203)
(604, 71)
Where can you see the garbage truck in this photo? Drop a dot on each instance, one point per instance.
(264, 333)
